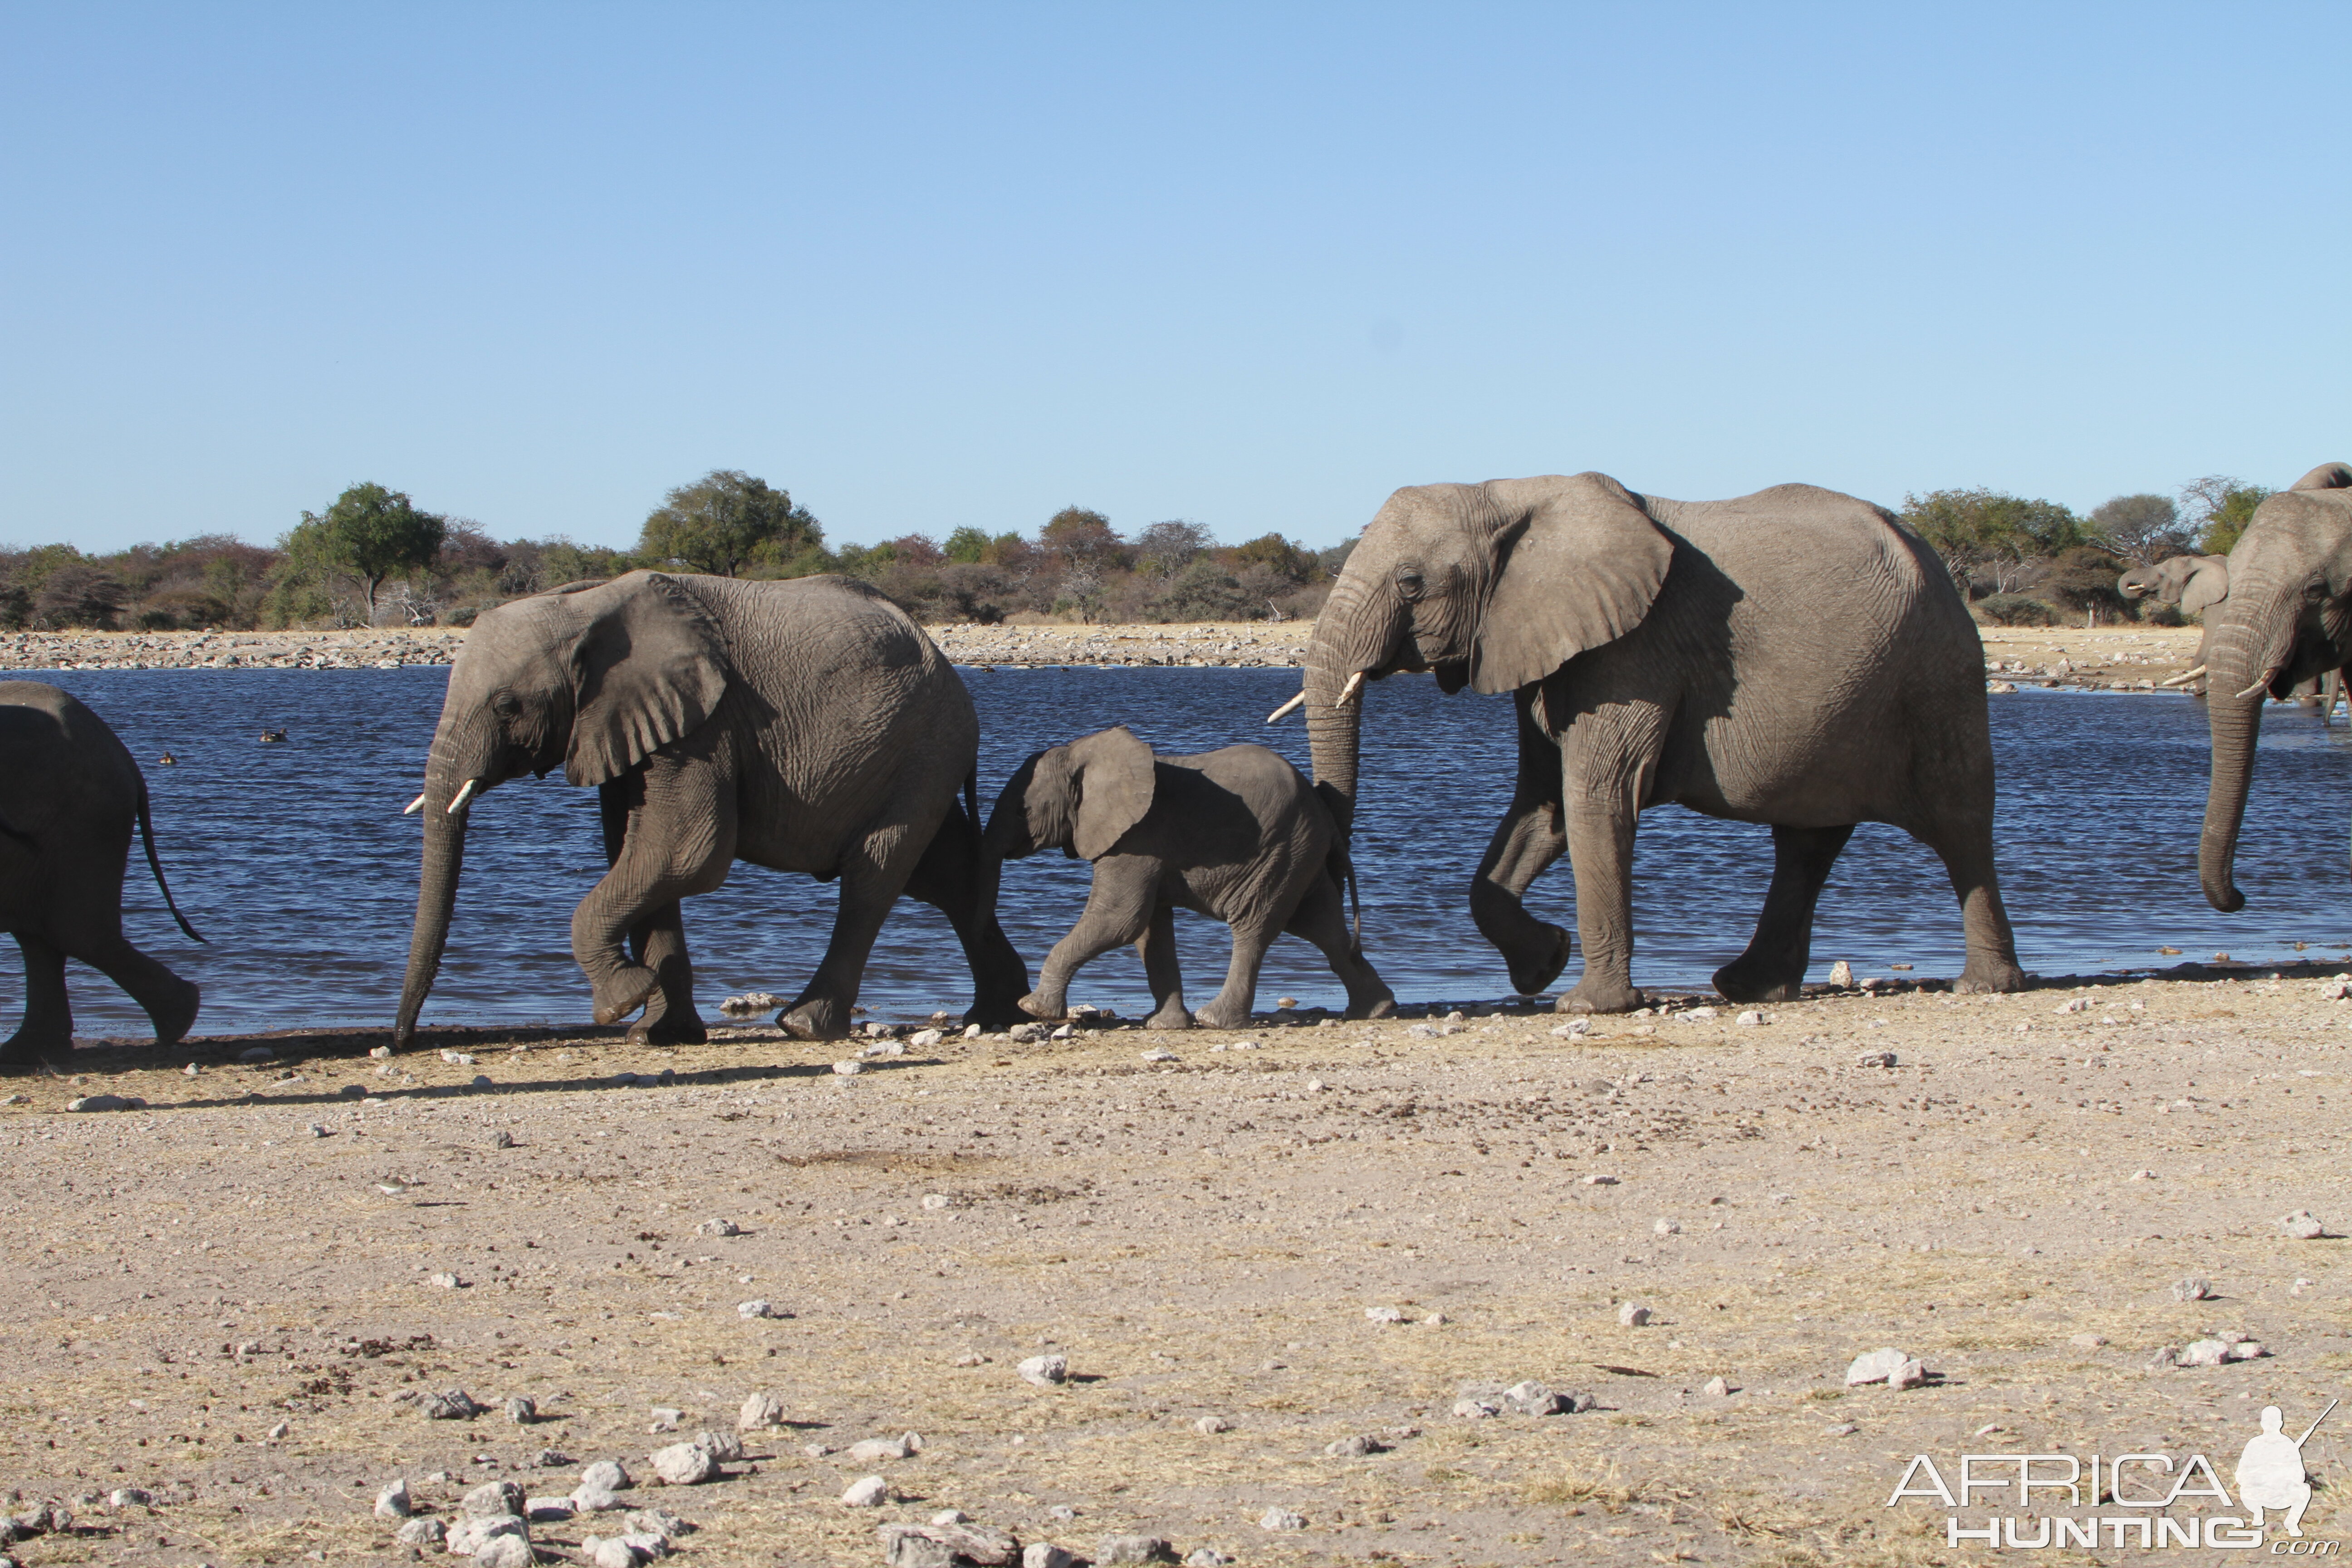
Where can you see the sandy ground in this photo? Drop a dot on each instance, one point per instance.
(2010, 1203)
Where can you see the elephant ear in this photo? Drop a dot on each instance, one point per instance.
(2327, 476)
(2206, 586)
(1116, 777)
(1577, 564)
(648, 668)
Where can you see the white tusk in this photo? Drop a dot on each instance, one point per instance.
(464, 793)
(412, 807)
(1286, 708)
(2185, 676)
(2258, 686)
(1348, 690)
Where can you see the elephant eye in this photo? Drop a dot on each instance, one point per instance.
(1409, 583)
(505, 705)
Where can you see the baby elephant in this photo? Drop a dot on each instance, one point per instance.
(1238, 835)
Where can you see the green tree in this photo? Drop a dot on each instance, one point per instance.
(725, 521)
(1980, 530)
(1165, 549)
(967, 546)
(1276, 554)
(2218, 507)
(2142, 528)
(370, 535)
(1082, 537)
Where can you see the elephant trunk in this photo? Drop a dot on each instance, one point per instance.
(1353, 637)
(2243, 654)
(450, 781)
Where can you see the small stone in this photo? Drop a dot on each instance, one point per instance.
(608, 1553)
(2141, 1176)
(2087, 1342)
(2301, 1227)
(316, 1130)
(1716, 1388)
(1596, 1180)
(457, 1058)
(1354, 1447)
(684, 1464)
(1875, 1060)
(1749, 1019)
(1666, 1227)
(724, 1446)
(923, 1039)
(1383, 1315)
(1205, 1557)
(937, 1201)
(393, 1502)
(1912, 1373)
(871, 1491)
(2204, 1353)
(2192, 1290)
(606, 1474)
(951, 1516)
(453, 1404)
(718, 1228)
(1572, 1029)
(279, 1430)
(1478, 1407)
(548, 1509)
(873, 1450)
(1132, 1549)
(469, 1534)
(749, 1309)
(504, 1552)
(2073, 1004)
(1842, 974)
(1436, 1320)
(1044, 1371)
(1044, 1554)
(522, 1412)
(760, 1412)
(1533, 1398)
(884, 1049)
(1875, 1366)
(1210, 1426)
(1160, 1054)
(482, 1080)
(972, 1031)
(551, 1459)
(445, 1281)
(422, 1532)
(494, 1500)
(501, 1138)
(1067, 1032)
(1633, 1317)
(2245, 1350)
(1024, 1034)
(654, 1522)
(107, 1102)
(1281, 1519)
(1839, 1429)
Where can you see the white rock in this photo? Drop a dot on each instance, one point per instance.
(393, 1502)
(1875, 1060)
(1160, 1054)
(760, 1412)
(1668, 1227)
(849, 1068)
(718, 1228)
(1067, 1032)
(2191, 1289)
(1699, 1015)
(2301, 1227)
(2204, 1353)
(445, 1281)
(467, 1535)
(1875, 1366)
(1436, 1319)
(504, 1552)
(1210, 1426)
(1044, 1371)
(1716, 1388)
(684, 1464)
(1749, 1019)
(1842, 974)
(2073, 1004)
(873, 1450)
(871, 1491)
(1597, 1180)
(923, 1039)
(1045, 1555)
(972, 1031)
(2245, 1350)
(422, 1532)
(607, 1474)
(936, 1201)
(588, 1498)
(951, 1516)
(1572, 1029)
(107, 1102)
(1910, 1374)
(1280, 1519)
(610, 1552)
(1633, 1317)
(1383, 1315)
(724, 1446)
(755, 1309)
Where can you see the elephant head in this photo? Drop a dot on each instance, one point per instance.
(2288, 618)
(2195, 582)
(1489, 586)
(1080, 798)
(592, 678)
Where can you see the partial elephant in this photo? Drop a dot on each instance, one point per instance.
(804, 726)
(1238, 835)
(1792, 657)
(2196, 583)
(70, 795)
(2287, 621)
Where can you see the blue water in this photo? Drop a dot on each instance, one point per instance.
(296, 861)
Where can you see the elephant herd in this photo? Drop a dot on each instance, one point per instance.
(1793, 658)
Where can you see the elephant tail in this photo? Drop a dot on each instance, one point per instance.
(155, 864)
(1342, 865)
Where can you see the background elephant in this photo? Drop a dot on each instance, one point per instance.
(1238, 835)
(2196, 583)
(2287, 621)
(1792, 657)
(70, 796)
(804, 726)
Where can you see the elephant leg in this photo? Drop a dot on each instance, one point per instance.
(679, 841)
(169, 1002)
(1322, 918)
(47, 1026)
(1965, 847)
(658, 944)
(1773, 967)
(948, 878)
(1120, 906)
(1607, 776)
(1157, 947)
(1230, 1007)
(1526, 841)
(872, 877)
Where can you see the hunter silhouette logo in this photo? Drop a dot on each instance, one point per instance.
(2046, 1497)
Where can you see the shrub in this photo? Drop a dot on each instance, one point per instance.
(2016, 610)
(2156, 613)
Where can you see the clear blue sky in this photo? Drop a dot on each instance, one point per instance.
(1254, 265)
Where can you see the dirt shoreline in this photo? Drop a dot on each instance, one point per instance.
(2127, 658)
(2010, 1203)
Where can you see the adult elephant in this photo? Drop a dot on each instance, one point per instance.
(2287, 621)
(1791, 657)
(70, 798)
(804, 726)
(2197, 583)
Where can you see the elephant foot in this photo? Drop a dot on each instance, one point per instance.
(1218, 1015)
(1172, 1016)
(1991, 976)
(1042, 1007)
(1532, 975)
(174, 1012)
(1379, 1007)
(815, 1019)
(1597, 995)
(1744, 982)
(25, 1050)
(668, 1031)
(997, 1015)
(624, 992)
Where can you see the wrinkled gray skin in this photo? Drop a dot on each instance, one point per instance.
(804, 726)
(1791, 657)
(2288, 620)
(70, 796)
(1238, 835)
(2196, 583)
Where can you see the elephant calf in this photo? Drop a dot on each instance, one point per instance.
(70, 796)
(1238, 835)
